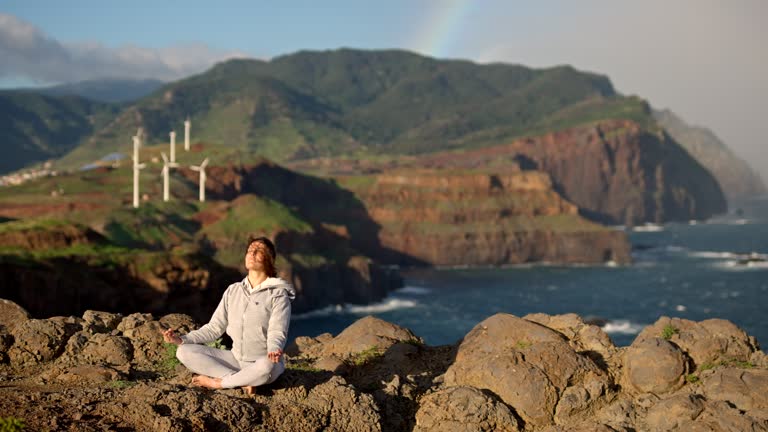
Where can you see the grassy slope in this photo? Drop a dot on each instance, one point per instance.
(362, 103)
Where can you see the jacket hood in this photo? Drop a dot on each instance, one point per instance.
(276, 282)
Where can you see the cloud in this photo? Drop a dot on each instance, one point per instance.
(28, 52)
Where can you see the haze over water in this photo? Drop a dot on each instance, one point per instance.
(694, 271)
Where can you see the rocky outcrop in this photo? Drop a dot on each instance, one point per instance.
(438, 217)
(616, 171)
(453, 218)
(534, 374)
(738, 180)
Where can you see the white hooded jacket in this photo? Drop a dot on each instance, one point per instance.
(256, 321)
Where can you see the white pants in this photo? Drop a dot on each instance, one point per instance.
(212, 362)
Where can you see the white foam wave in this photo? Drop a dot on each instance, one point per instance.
(712, 255)
(386, 305)
(413, 290)
(739, 266)
(622, 327)
(648, 228)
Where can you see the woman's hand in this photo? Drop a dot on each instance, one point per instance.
(275, 355)
(170, 336)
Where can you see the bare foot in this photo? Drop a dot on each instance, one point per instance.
(249, 390)
(207, 382)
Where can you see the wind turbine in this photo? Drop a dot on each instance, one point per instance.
(166, 173)
(201, 168)
(136, 167)
(173, 146)
(187, 125)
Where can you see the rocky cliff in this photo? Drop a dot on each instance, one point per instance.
(537, 373)
(65, 269)
(737, 178)
(615, 171)
(437, 216)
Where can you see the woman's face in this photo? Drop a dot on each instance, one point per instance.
(254, 257)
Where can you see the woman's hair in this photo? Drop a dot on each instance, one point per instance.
(269, 259)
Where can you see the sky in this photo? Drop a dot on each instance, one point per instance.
(706, 60)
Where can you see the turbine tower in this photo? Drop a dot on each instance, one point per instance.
(187, 125)
(173, 146)
(166, 173)
(136, 167)
(201, 168)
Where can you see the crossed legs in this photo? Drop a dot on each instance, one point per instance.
(219, 369)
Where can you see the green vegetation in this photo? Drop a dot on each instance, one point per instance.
(169, 361)
(122, 384)
(692, 378)
(218, 344)
(366, 356)
(669, 331)
(728, 363)
(11, 424)
(301, 366)
(523, 344)
(331, 103)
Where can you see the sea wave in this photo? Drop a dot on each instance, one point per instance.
(712, 254)
(649, 227)
(740, 266)
(388, 304)
(413, 290)
(622, 327)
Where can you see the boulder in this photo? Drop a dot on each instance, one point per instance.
(333, 405)
(90, 374)
(710, 341)
(529, 367)
(37, 341)
(12, 314)
(101, 322)
(107, 349)
(745, 389)
(459, 409)
(654, 366)
(674, 413)
(365, 334)
(581, 336)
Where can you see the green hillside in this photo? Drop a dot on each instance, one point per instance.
(361, 103)
(35, 127)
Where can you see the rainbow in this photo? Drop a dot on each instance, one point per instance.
(442, 29)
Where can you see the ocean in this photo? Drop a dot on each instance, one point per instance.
(696, 270)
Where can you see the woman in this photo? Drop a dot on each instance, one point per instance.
(255, 313)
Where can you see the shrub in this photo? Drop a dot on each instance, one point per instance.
(11, 424)
(170, 361)
(668, 331)
(366, 356)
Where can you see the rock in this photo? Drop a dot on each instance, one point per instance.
(90, 374)
(719, 416)
(581, 336)
(528, 366)
(706, 342)
(654, 366)
(333, 404)
(12, 314)
(102, 348)
(37, 341)
(333, 364)
(674, 413)
(103, 322)
(148, 346)
(134, 320)
(582, 427)
(463, 409)
(745, 389)
(367, 333)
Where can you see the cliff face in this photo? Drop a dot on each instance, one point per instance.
(68, 283)
(538, 373)
(484, 219)
(737, 178)
(438, 217)
(614, 171)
